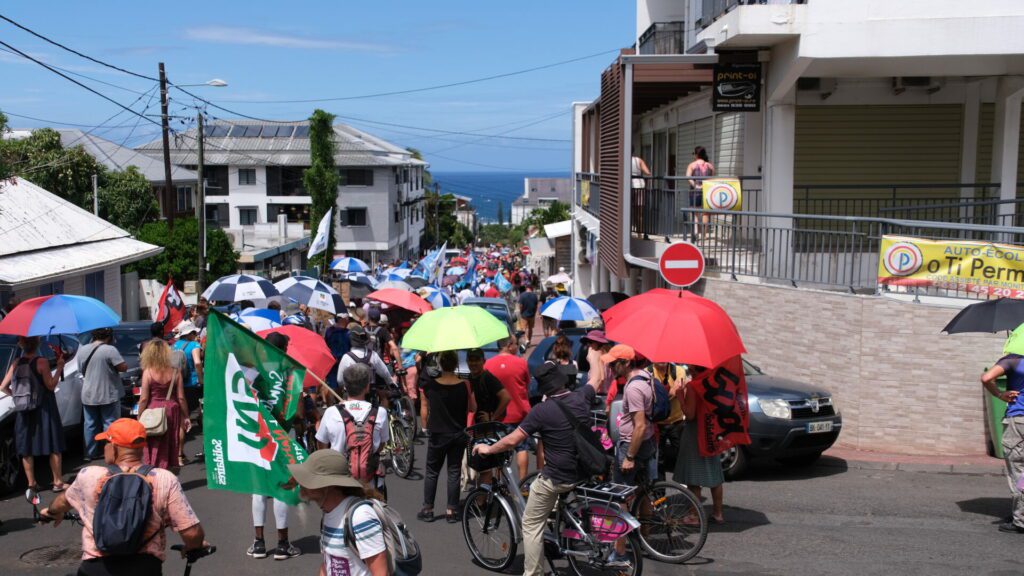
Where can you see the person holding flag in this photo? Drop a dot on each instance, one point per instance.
(170, 307)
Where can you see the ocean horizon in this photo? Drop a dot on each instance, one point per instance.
(488, 189)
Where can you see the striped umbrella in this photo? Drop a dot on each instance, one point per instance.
(238, 287)
(436, 298)
(258, 319)
(569, 308)
(349, 264)
(400, 285)
(455, 271)
(312, 293)
(360, 278)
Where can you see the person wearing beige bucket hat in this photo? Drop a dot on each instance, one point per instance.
(325, 479)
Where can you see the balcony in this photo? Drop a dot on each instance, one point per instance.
(663, 38)
(712, 10)
(588, 192)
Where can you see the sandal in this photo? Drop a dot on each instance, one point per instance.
(452, 517)
(714, 520)
(62, 486)
(425, 515)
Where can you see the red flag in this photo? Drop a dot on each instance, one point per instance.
(170, 307)
(723, 417)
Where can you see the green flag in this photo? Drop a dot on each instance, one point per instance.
(248, 386)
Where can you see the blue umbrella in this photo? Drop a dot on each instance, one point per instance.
(58, 314)
(569, 308)
(312, 293)
(238, 287)
(349, 264)
(360, 278)
(436, 298)
(455, 271)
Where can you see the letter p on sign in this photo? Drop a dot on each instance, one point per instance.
(681, 264)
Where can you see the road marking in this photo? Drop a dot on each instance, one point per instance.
(681, 264)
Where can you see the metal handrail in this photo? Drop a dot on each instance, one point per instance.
(957, 205)
(859, 219)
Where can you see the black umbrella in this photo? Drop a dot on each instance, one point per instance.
(605, 300)
(988, 316)
(416, 282)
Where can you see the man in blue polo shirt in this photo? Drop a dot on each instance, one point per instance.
(1012, 367)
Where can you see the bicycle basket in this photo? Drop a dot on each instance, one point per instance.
(604, 522)
(482, 463)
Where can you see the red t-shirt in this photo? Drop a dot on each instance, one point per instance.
(514, 375)
(492, 292)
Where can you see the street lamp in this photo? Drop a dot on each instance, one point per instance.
(201, 185)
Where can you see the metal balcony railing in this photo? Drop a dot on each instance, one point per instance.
(655, 208)
(712, 10)
(663, 38)
(588, 192)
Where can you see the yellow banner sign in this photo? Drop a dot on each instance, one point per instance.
(722, 194)
(995, 270)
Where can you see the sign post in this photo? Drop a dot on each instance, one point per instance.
(681, 264)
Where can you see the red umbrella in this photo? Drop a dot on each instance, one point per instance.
(308, 349)
(458, 260)
(674, 326)
(402, 299)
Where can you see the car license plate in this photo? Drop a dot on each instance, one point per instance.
(819, 427)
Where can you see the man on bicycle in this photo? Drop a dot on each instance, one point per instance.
(362, 353)
(125, 441)
(559, 473)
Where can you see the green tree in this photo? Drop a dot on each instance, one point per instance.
(127, 200)
(440, 224)
(501, 214)
(181, 251)
(554, 212)
(5, 169)
(321, 178)
(42, 160)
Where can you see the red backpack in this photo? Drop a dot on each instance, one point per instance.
(363, 460)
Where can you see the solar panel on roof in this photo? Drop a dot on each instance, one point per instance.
(238, 131)
(285, 131)
(252, 131)
(219, 131)
(302, 131)
(269, 131)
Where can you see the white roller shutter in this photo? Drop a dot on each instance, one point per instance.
(728, 156)
(689, 135)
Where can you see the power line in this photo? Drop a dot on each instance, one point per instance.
(70, 79)
(502, 135)
(427, 88)
(71, 124)
(461, 133)
(76, 52)
(79, 74)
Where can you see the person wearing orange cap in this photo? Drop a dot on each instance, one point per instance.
(125, 440)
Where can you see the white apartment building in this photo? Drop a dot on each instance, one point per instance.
(540, 193)
(253, 172)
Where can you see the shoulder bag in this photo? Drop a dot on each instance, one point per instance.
(155, 419)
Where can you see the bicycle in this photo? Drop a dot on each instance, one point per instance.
(583, 529)
(398, 450)
(36, 501)
(193, 556)
(401, 406)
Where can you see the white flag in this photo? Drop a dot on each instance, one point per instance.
(319, 244)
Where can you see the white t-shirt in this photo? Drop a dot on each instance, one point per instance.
(338, 558)
(332, 426)
(465, 294)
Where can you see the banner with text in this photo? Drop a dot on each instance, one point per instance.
(984, 268)
(247, 382)
(723, 416)
(722, 194)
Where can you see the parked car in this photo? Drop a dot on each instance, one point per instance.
(542, 353)
(790, 421)
(499, 307)
(69, 402)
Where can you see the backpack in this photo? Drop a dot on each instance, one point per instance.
(373, 340)
(119, 521)
(363, 460)
(179, 359)
(403, 552)
(366, 361)
(26, 386)
(661, 408)
(591, 459)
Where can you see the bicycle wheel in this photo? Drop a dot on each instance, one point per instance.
(673, 526)
(487, 528)
(408, 414)
(586, 561)
(402, 455)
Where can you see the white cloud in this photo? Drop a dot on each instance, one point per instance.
(252, 36)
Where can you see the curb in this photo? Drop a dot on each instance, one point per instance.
(995, 468)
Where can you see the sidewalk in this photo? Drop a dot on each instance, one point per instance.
(865, 460)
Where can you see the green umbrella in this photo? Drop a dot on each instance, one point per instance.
(458, 328)
(1015, 343)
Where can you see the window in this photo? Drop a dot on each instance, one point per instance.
(94, 284)
(353, 217)
(184, 198)
(248, 216)
(52, 288)
(355, 177)
(246, 176)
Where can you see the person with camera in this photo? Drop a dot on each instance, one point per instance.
(553, 420)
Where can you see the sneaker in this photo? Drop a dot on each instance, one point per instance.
(258, 549)
(1011, 528)
(285, 551)
(618, 561)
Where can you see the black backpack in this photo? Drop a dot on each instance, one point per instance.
(366, 360)
(119, 522)
(591, 459)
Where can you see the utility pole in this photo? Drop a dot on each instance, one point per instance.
(95, 197)
(169, 204)
(200, 205)
(437, 219)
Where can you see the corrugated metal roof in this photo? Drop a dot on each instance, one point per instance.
(40, 265)
(117, 157)
(558, 229)
(34, 219)
(541, 247)
(354, 147)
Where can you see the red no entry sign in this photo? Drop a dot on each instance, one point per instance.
(681, 264)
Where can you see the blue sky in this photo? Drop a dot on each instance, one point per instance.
(302, 50)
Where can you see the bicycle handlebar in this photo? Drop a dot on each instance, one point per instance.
(193, 556)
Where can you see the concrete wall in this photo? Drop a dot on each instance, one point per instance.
(901, 385)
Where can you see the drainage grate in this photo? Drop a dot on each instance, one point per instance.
(53, 556)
